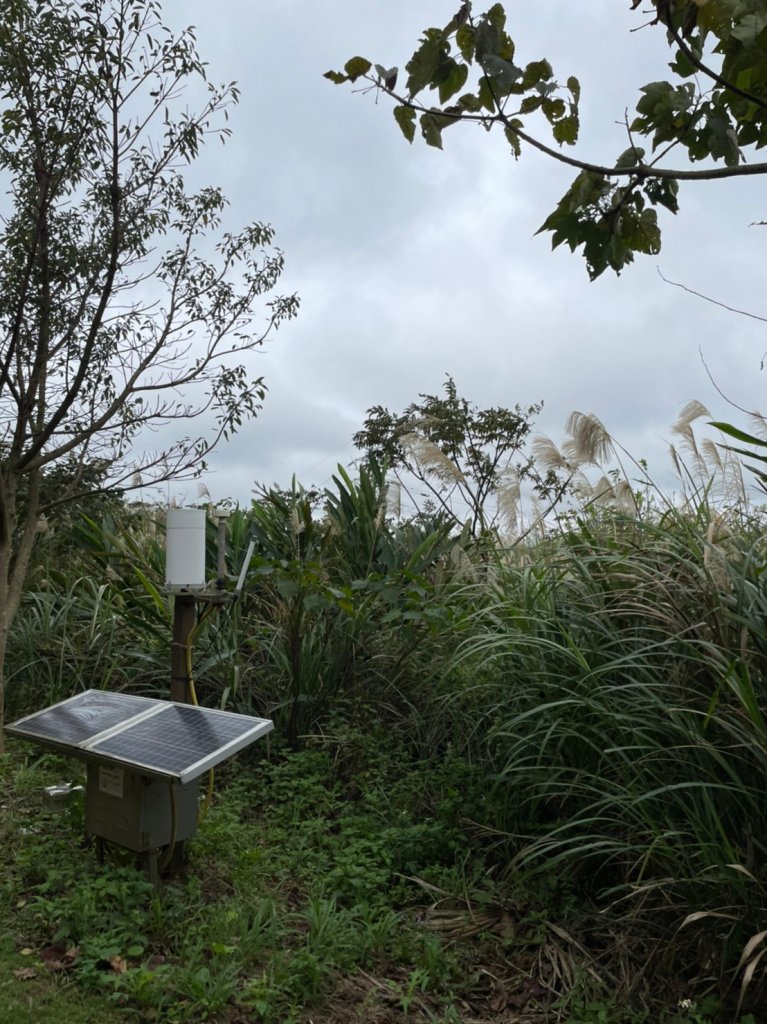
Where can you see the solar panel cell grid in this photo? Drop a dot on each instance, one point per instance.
(82, 717)
(175, 739)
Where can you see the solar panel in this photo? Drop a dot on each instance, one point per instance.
(181, 741)
(80, 718)
(155, 737)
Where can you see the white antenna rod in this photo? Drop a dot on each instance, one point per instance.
(245, 564)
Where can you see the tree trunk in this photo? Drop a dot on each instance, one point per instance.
(3, 646)
(5, 614)
(15, 555)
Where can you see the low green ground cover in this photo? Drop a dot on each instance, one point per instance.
(31, 996)
(333, 884)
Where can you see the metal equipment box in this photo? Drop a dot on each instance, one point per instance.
(138, 812)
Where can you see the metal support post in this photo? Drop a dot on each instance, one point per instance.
(183, 624)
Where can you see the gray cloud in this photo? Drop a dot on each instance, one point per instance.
(413, 263)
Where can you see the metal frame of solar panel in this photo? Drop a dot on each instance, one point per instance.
(158, 738)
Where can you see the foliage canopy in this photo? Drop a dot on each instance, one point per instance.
(470, 461)
(712, 111)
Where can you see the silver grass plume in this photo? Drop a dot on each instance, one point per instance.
(432, 458)
(393, 498)
(710, 452)
(589, 442)
(726, 470)
(715, 553)
(683, 427)
(758, 424)
(538, 528)
(674, 454)
(624, 497)
(582, 487)
(508, 493)
(602, 492)
(546, 453)
(734, 484)
(380, 518)
(297, 525)
(692, 411)
(618, 495)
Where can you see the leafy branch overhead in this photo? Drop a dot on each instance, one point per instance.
(713, 110)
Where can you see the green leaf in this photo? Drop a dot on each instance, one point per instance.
(566, 130)
(587, 217)
(503, 73)
(663, 192)
(683, 66)
(512, 138)
(486, 94)
(458, 19)
(487, 40)
(464, 39)
(149, 587)
(536, 72)
(431, 130)
(668, 113)
(575, 87)
(425, 62)
(749, 455)
(356, 67)
(336, 76)
(739, 435)
(530, 103)
(646, 237)
(470, 102)
(554, 109)
(497, 17)
(630, 157)
(454, 82)
(750, 27)
(405, 118)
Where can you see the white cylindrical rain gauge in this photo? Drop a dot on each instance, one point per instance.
(185, 549)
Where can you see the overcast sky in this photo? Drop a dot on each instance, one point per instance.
(412, 264)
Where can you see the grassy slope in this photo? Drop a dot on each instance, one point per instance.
(45, 999)
(301, 901)
(333, 885)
